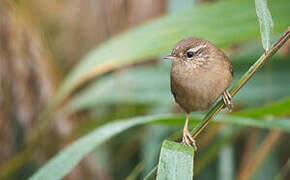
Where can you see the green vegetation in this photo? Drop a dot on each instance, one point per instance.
(113, 115)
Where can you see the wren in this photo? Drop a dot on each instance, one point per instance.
(200, 73)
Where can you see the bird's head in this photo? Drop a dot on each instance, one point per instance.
(193, 49)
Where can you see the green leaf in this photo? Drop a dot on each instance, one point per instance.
(65, 160)
(266, 22)
(279, 108)
(157, 37)
(110, 90)
(175, 161)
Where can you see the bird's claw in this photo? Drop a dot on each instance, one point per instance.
(227, 100)
(188, 140)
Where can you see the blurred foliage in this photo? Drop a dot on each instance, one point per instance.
(266, 23)
(70, 69)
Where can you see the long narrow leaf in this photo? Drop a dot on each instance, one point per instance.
(111, 90)
(266, 22)
(64, 161)
(279, 108)
(235, 23)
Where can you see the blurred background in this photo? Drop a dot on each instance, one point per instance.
(68, 67)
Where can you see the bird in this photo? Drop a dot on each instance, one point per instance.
(200, 74)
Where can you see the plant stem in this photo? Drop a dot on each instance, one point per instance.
(266, 146)
(218, 106)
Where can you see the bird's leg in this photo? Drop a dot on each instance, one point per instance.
(187, 138)
(227, 100)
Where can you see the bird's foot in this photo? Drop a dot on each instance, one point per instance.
(227, 100)
(188, 140)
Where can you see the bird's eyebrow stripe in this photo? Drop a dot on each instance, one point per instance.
(195, 49)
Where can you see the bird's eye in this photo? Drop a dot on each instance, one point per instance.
(190, 54)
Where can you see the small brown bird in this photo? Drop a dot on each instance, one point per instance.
(200, 73)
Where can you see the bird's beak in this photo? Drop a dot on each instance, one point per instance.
(170, 57)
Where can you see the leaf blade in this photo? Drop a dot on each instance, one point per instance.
(265, 21)
(175, 162)
(156, 38)
(64, 161)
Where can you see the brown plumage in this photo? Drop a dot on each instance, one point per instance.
(200, 73)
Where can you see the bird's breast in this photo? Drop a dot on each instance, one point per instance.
(195, 89)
